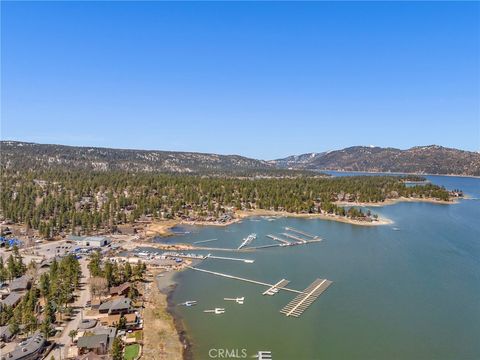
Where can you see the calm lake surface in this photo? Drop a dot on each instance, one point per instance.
(410, 293)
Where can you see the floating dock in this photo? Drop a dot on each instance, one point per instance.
(272, 290)
(301, 232)
(297, 306)
(290, 236)
(276, 238)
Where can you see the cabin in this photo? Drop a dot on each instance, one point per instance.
(13, 299)
(98, 344)
(20, 284)
(117, 306)
(121, 289)
(30, 349)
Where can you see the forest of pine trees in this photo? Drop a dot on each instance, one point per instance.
(59, 202)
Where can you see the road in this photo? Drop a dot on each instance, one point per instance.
(60, 351)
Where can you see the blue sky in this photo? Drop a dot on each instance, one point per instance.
(259, 79)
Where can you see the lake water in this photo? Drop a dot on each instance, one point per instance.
(409, 293)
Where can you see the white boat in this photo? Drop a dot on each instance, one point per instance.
(216, 311)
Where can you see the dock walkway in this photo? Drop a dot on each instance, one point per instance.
(297, 306)
(301, 232)
(276, 238)
(243, 279)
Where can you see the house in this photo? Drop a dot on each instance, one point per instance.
(98, 344)
(13, 299)
(29, 349)
(95, 303)
(5, 333)
(110, 320)
(117, 306)
(20, 284)
(121, 289)
(131, 321)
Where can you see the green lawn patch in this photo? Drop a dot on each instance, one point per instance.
(131, 352)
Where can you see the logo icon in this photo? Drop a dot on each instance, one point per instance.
(264, 355)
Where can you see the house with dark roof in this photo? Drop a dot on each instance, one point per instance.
(116, 306)
(5, 333)
(30, 349)
(20, 284)
(13, 299)
(98, 344)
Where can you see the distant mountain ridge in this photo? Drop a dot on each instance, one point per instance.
(25, 155)
(432, 159)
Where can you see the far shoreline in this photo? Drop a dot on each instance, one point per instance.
(395, 173)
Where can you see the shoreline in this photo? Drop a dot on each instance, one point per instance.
(397, 173)
(261, 212)
(163, 337)
(164, 229)
(389, 202)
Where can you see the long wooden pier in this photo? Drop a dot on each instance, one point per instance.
(276, 238)
(301, 232)
(243, 279)
(297, 306)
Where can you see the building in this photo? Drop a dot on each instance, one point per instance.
(117, 306)
(13, 299)
(98, 344)
(90, 241)
(30, 349)
(121, 289)
(20, 284)
(5, 333)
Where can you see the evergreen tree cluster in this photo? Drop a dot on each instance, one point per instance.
(59, 202)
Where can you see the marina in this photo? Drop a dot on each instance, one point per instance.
(294, 308)
(297, 306)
